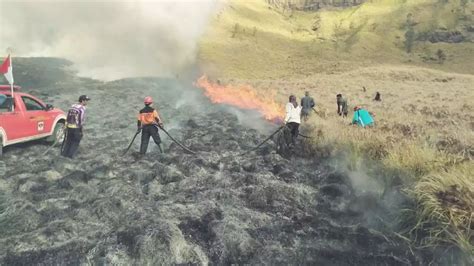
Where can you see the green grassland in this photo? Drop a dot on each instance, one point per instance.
(252, 40)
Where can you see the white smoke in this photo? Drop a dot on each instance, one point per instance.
(108, 39)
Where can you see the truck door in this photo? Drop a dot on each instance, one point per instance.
(13, 122)
(39, 122)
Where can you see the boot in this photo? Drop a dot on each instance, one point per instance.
(161, 148)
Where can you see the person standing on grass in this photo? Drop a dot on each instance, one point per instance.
(76, 117)
(293, 118)
(362, 117)
(307, 104)
(341, 106)
(148, 123)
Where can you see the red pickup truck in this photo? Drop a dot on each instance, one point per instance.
(28, 119)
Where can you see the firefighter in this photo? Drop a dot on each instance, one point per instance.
(293, 118)
(307, 103)
(76, 117)
(341, 106)
(148, 123)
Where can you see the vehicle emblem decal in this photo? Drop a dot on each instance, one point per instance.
(40, 126)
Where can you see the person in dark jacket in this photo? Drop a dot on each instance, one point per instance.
(148, 122)
(341, 106)
(307, 104)
(378, 97)
(76, 116)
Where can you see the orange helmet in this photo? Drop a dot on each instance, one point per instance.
(148, 100)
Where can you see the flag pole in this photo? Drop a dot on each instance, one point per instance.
(11, 84)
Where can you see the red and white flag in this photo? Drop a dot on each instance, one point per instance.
(7, 69)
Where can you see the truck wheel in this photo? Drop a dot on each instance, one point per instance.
(58, 133)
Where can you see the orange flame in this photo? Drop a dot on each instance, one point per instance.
(242, 96)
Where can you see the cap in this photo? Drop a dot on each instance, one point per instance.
(83, 98)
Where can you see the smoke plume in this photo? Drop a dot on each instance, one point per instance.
(107, 39)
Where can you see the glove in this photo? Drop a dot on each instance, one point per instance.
(139, 130)
(160, 124)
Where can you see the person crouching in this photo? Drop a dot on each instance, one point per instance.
(362, 117)
(148, 123)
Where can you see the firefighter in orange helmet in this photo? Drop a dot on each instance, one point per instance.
(148, 123)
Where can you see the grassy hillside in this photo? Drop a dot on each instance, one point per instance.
(423, 141)
(253, 40)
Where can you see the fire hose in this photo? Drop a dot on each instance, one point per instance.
(131, 142)
(56, 142)
(306, 137)
(166, 132)
(263, 142)
(193, 152)
(268, 138)
(175, 141)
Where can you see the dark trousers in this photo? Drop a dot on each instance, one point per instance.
(305, 114)
(147, 131)
(72, 138)
(294, 129)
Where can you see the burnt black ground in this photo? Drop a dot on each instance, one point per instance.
(211, 208)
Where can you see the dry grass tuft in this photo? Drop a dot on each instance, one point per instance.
(445, 207)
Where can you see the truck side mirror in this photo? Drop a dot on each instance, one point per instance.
(49, 107)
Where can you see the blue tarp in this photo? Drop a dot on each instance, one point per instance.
(362, 118)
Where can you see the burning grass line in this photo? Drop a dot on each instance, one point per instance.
(242, 96)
